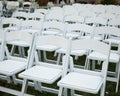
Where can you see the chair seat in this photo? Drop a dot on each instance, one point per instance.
(47, 47)
(42, 74)
(11, 67)
(98, 56)
(81, 82)
(19, 43)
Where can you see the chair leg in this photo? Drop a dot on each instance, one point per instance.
(102, 91)
(9, 79)
(13, 49)
(20, 51)
(87, 63)
(76, 57)
(72, 92)
(14, 79)
(65, 92)
(23, 51)
(60, 91)
(118, 76)
(37, 86)
(58, 58)
(24, 87)
(93, 64)
(39, 55)
(45, 57)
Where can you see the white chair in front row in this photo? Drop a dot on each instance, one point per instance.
(12, 65)
(85, 80)
(42, 72)
(110, 35)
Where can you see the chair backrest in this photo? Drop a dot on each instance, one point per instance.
(54, 16)
(24, 24)
(96, 21)
(31, 24)
(80, 27)
(42, 11)
(93, 45)
(11, 22)
(107, 31)
(74, 19)
(50, 40)
(113, 31)
(20, 15)
(18, 35)
(35, 16)
(25, 39)
(54, 26)
(84, 29)
(35, 24)
(114, 22)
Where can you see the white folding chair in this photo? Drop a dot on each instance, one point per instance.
(76, 31)
(81, 79)
(52, 28)
(87, 31)
(12, 65)
(110, 35)
(30, 26)
(43, 72)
